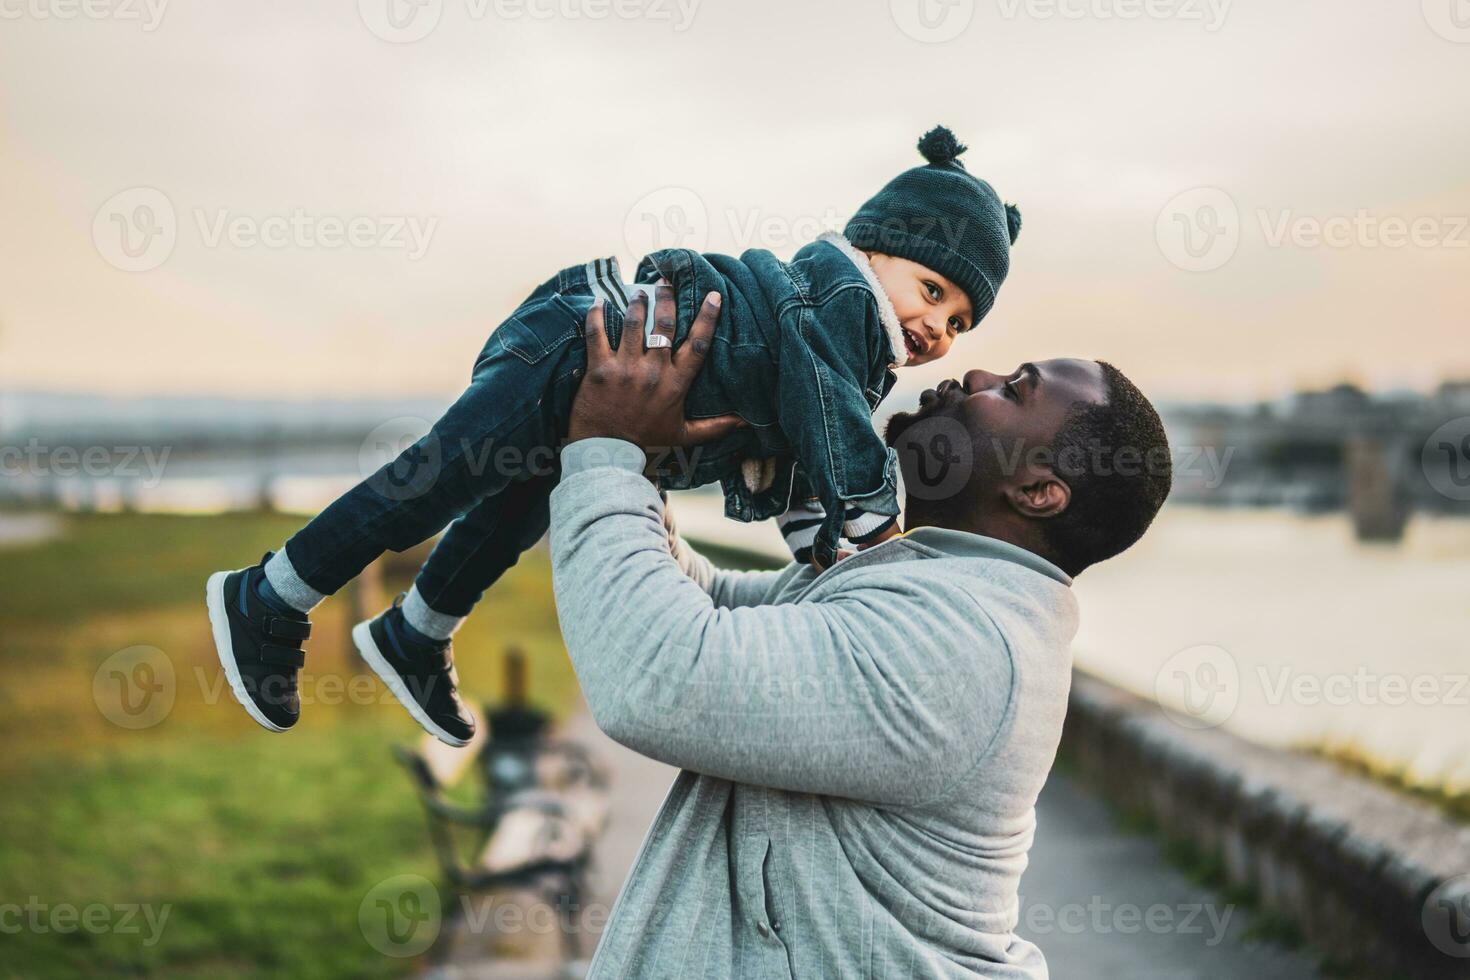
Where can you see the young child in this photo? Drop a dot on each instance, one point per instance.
(802, 352)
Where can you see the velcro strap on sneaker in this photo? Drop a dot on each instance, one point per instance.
(287, 629)
(282, 657)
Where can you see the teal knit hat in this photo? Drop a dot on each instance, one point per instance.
(943, 217)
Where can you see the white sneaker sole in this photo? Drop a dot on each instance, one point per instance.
(362, 638)
(219, 620)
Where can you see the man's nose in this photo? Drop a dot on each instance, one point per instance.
(978, 380)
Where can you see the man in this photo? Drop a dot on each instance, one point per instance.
(862, 748)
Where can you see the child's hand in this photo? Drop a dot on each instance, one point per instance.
(841, 554)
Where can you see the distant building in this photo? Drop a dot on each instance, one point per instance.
(1295, 452)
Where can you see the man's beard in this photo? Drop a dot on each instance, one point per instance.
(900, 422)
(938, 457)
(897, 424)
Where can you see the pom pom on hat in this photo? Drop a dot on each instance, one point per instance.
(945, 218)
(940, 146)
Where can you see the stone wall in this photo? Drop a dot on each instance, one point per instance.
(1377, 881)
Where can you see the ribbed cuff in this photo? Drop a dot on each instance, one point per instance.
(864, 527)
(591, 454)
(281, 574)
(434, 625)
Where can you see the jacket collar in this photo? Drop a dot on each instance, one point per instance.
(898, 350)
(963, 544)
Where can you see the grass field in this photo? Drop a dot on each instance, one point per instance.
(258, 848)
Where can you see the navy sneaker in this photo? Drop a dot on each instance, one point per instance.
(420, 673)
(259, 646)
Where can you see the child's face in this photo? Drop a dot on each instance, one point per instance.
(932, 310)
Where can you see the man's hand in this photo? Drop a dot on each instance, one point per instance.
(637, 393)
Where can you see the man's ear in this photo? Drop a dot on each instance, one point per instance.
(1046, 496)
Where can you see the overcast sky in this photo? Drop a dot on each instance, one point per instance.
(300, 199)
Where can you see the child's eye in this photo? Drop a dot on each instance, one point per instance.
(956, 324)
(935, 293)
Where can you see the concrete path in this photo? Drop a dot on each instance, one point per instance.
(1098, 901)
(1101, 902)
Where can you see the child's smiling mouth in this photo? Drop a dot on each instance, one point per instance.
(915, 346)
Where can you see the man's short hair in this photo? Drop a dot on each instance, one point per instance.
(1115, 457)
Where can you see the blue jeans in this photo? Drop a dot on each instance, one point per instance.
(489, 464)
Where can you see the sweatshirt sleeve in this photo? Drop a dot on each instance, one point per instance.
(841, 696)
(728, 588)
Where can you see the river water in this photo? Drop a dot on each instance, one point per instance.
(1278, 626)
(1286, 630)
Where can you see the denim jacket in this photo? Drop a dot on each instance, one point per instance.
(803, 352)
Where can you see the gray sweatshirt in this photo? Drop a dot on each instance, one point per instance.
(861, 749)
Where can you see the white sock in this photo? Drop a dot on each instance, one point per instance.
(281, 574)
(434, 625)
